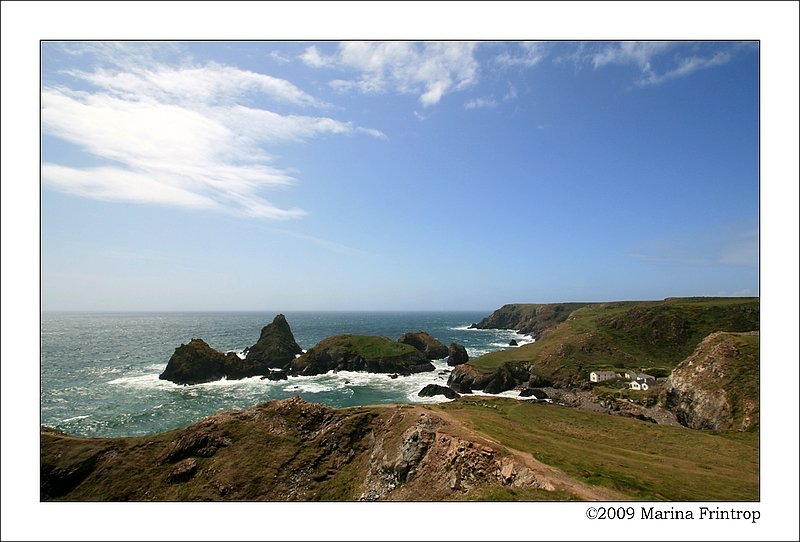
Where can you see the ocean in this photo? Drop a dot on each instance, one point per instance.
(99, 371)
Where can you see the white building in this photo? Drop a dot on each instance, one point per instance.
(600, 376)
(642, 383)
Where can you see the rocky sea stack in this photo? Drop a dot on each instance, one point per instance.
(361, 353)
(422, 341)
(196, 362)
(276, 347)
(457, 355)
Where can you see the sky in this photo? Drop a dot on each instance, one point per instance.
(406, 175)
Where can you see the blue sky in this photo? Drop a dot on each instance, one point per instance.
(396, 175)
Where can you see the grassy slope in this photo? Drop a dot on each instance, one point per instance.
(642, 460)
(271, 451)
(649, 334)
(370, 346)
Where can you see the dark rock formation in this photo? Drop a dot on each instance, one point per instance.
(196, 362)
(465, 377)
(506, 377)
(434, 389)
(361, 353)
(537, 394)
(512, 342)
(457, 355)
(276, 347)
(422, 341)
(182, 471)
(276, 375)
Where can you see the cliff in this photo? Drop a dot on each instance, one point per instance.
(473, 448)
(717, 386)
(528, 318)
(644, 336)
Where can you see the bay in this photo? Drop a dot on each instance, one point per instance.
(99, 371)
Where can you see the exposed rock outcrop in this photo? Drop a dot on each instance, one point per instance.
(717, 386)
(457, 355)
(435, 389)
(466, 378)
(361, 353)
(513, 342)
(507, 377)
(428, 345)
(287, 450)
(539, 395)
(196, 362)
(276, 347)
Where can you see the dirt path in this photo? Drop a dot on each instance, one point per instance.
(558, 478)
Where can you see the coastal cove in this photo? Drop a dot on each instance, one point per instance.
(99, 371)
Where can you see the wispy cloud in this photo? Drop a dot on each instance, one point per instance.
(655, 66)
(186, 136)
(686, 67)
(430, 70)
(737, 247)
(479, 103)
(526, 55)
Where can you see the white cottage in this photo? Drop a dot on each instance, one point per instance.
(600, 376)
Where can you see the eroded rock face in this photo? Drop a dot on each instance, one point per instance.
(717, 386)
(276, 347)
(457, 355)
(428, 345)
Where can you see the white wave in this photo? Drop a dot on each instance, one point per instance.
(143, 381)
(463, 328)
(75, 418)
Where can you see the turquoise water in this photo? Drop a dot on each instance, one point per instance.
(99, 371)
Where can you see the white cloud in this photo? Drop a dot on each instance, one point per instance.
(529, 54)
(180, 136)
(644, 54)
(279, 57)
(479, 103)
(430, 70)
(312, 58)
(210, 83)
(686, 67)
(639, 53)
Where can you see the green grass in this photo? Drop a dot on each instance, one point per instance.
(632, 334)
(642, 460)
(372, 347)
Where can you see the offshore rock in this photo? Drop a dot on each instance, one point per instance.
(196, 362)
(422, 341)
(276, 347)
(435, 389)
(457, 355)
(361, 353)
